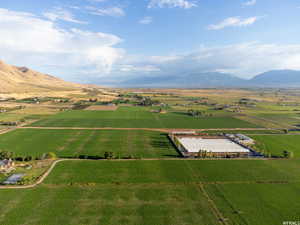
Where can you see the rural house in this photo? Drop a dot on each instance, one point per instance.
(6, 165)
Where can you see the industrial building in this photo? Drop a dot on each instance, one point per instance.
(205, 146)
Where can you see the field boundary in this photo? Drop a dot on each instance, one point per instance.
(166, 130)
(7, 130)
(219, 216)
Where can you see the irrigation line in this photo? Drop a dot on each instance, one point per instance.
(221, 219)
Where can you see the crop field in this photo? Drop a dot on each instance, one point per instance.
(157, 187)
(70, 143)
(257, 204)
(291, 119)
(276, 144)
(175, 171)
(166, 192)
(138, 117)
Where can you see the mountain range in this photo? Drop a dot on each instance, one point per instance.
(22, 79)
(275, 78)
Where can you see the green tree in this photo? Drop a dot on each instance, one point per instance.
(6, 155)
(106, 155)
(111, 155)
(285, 154)
(50, 155)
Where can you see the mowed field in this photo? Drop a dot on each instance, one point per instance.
(138, 117)
(276, 144)
(70, 143)
(168, 192)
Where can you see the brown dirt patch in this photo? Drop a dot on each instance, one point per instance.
(102, 108)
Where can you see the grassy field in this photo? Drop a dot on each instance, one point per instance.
(257, 204)
(157, 192)
(175, 171)
(138, 117)
(106, 205)
(70, 143)
(276, 144)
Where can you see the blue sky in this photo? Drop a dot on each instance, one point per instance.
(113, 40)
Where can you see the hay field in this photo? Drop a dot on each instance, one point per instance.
(73, 143)
(158, 192)
(139, 117)
(276, 144)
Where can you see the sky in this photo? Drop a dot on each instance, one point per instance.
(111, 41)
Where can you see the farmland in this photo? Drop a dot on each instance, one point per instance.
(128, 192)
(71, 143)
(256, 204)
(175, 171)
(146, 181)
(276, 144)
(138, 117)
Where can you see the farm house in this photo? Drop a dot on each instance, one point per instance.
(6, 165)
(204, 146)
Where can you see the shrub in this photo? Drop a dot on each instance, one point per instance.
(50, 155)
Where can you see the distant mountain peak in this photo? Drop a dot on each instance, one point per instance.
(274, 78)
(278, 78)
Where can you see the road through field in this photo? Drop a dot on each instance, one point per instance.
(148, 129)
(39, 181)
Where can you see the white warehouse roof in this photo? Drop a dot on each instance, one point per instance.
(211, 145)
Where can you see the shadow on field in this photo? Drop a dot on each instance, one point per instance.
(181, 113)
(91, 157)
(162, 142)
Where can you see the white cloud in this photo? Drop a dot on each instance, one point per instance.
(26, 39)
(61, 14)
(233, 22)
(144, 68)
(249, 3)
(146, 20)
(186, 4)
(244, 60)
(112, 11)
(74, 7)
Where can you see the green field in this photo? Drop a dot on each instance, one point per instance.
(276, 144)
(257, 204)
(283, 118)
(164, 192)
(138, 117)
(70, 143)
(175, 171)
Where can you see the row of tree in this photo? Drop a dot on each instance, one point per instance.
(198, 113)
(11, 155)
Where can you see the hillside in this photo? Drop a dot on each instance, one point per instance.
(22, 79)
(277, 78)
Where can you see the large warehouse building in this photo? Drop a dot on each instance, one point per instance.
(208, 146)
